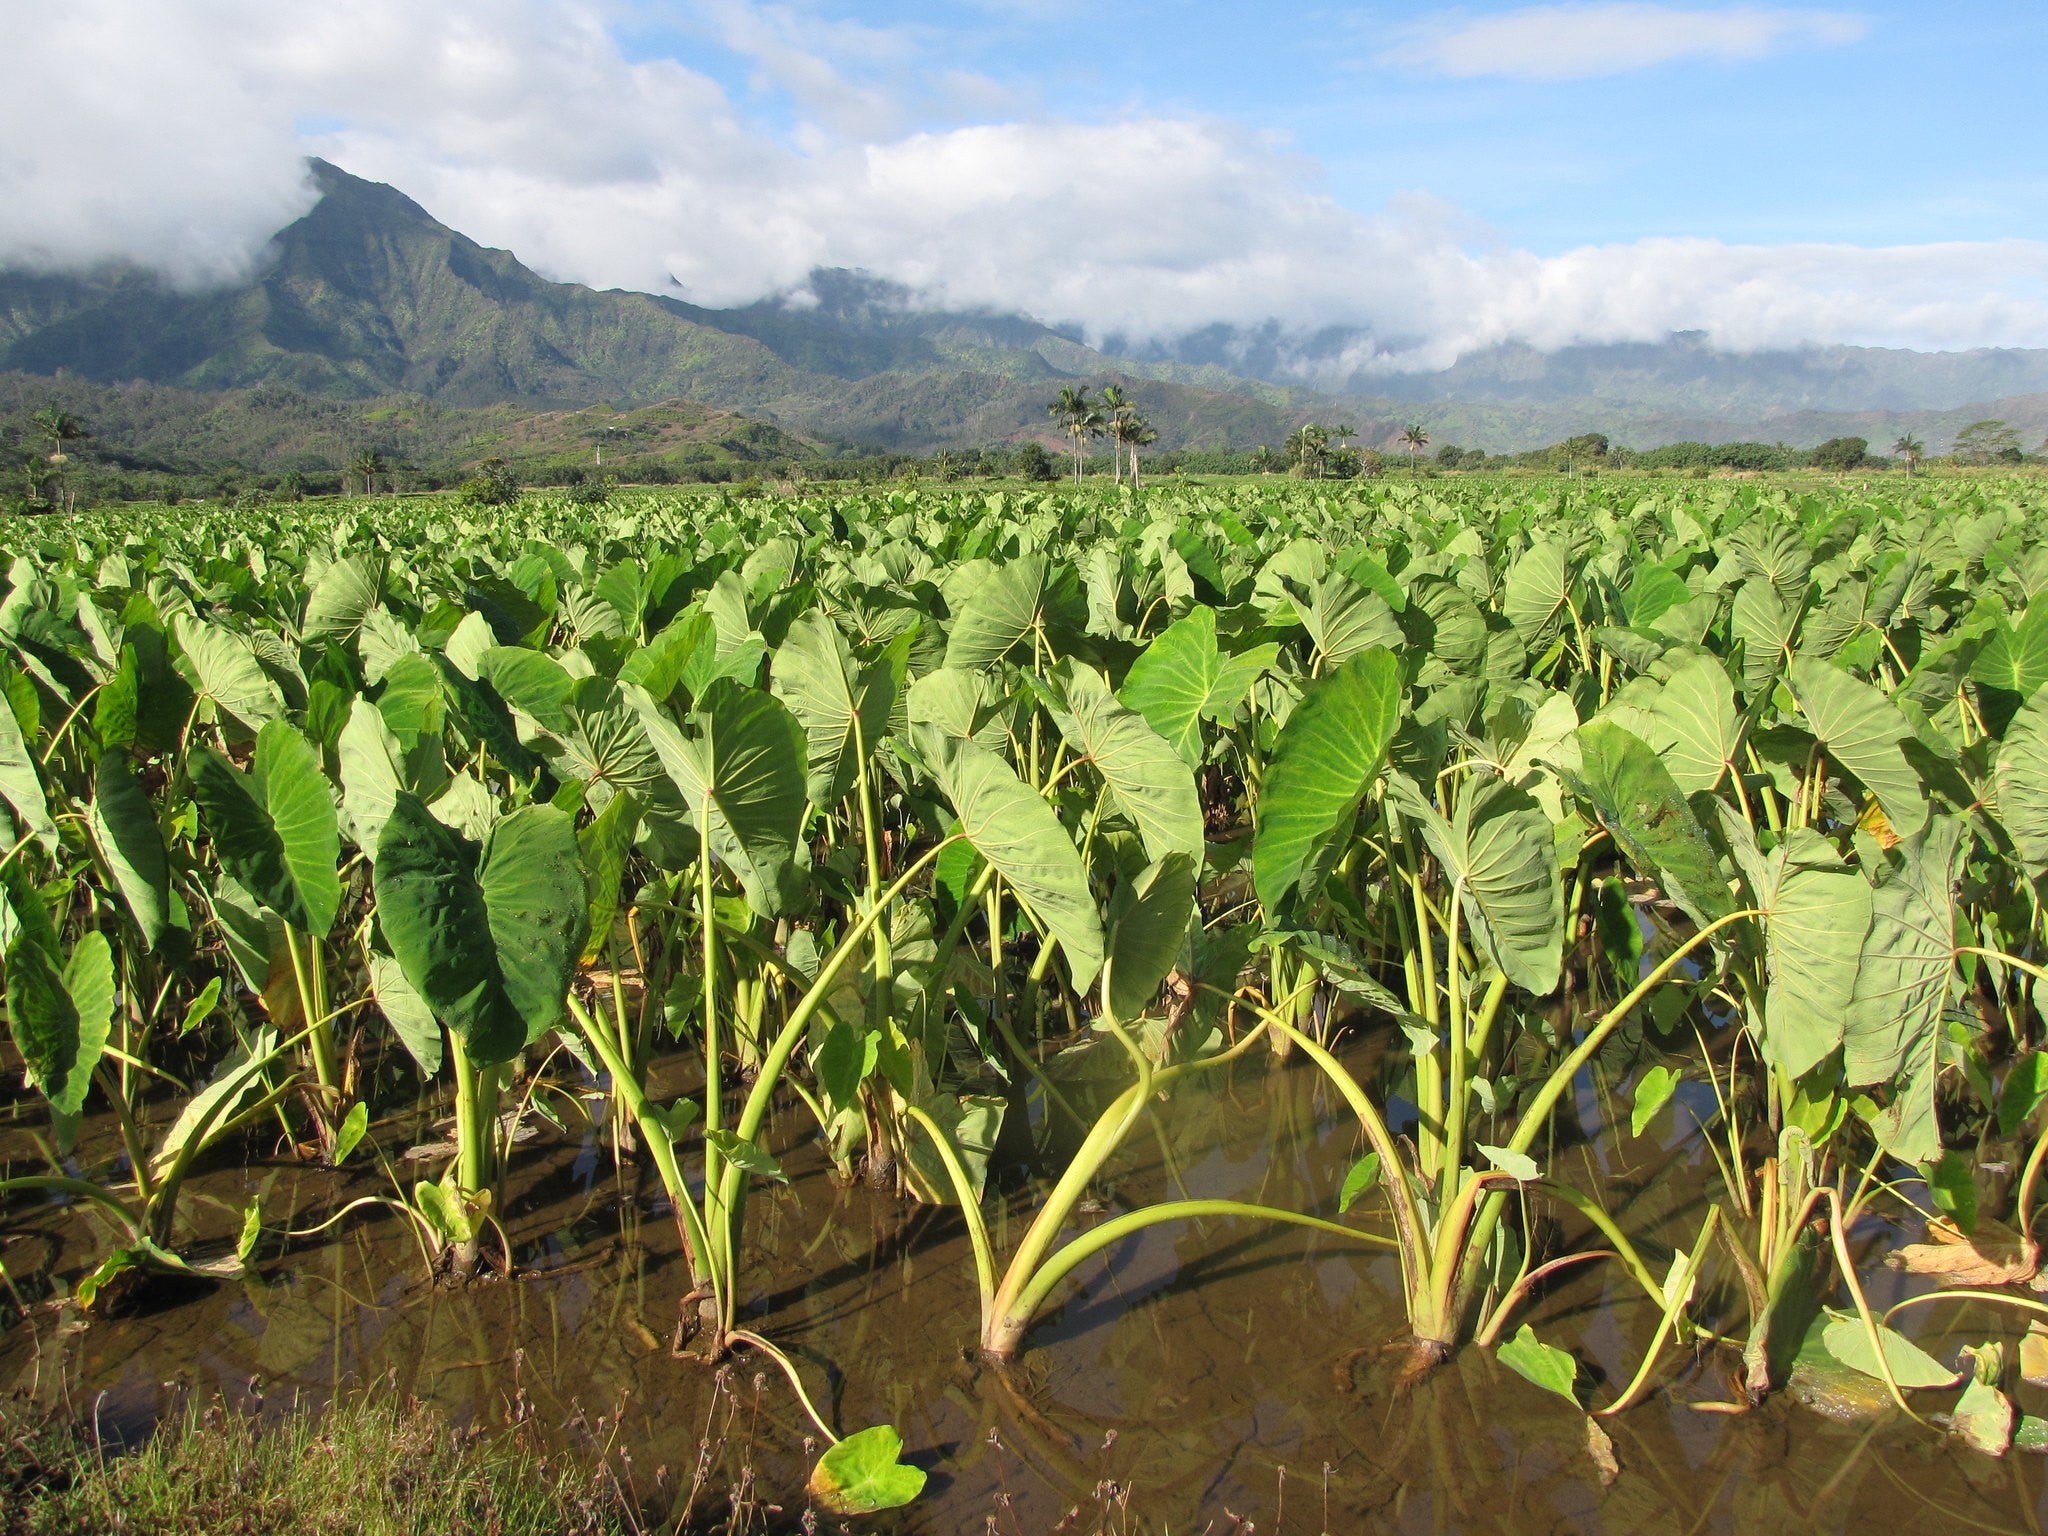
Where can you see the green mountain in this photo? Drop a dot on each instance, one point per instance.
(368, 296)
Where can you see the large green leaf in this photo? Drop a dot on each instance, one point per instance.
(59, 1016)
(488, 937)
(1865, 732)
(1817, 913)
(2015, 658)
(1149, 919)
(861, 1475)
(21, 786)
(1893, 1030)
(225, 670)
(1625, 783)
(743, 760)
(1761, 622)
(1698, 731)
(1182, 679)
(275, 831)
(2022, 780)
(124, 828)
(1536, 594)
(1017, 832)
(342, 597)
(529, 681)
(1343, 618)
(844, 708)
(1031, 596)
(1328, 755)
(1146, 777)
(1497, 850)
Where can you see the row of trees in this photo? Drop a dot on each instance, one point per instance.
(1115, 416)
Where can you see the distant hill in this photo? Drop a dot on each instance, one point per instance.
(369, 296)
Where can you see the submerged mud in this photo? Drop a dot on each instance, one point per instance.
(1214, 1375)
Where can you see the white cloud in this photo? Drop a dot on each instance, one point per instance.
(176, 140)
(1579, 41)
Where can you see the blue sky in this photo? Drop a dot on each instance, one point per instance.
(1443, 178)
(1921, 123)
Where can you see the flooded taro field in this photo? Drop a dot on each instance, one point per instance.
(1301, 1009)
(1212, 1376)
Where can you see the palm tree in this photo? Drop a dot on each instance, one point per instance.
(1415, 438)
(366, 465)
(1116, 411)
(1912, 450)
(1137, 432)
(60, 427)
(1079, 418)
(1309, 446)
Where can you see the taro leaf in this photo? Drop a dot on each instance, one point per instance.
(2014, 659)
(1150, 783)
(843, 708)
(1016, 831)
(845, 1058)
(744, 762)
(200, 1009)
(59, 1018)
(1148, 927)
(1653, 591)
(745, 1155)
(20, 785)
(606, 743)
(674, 1119)
(861, 1475)
(1893, 1028)
(2022, 779)
(1364, 1175)
(1182, 679)
(344, 594)
(1628, 787)
(407, 1013)
(1785, 1313)
(1863, 731)
(1759, 621)
(252, 1227)
(372, 773)
(275, 830)
(1026, 597)
(2025, 1085)
(603, 846)
(1694, 715)
(1818, 911)
(1952, 1185)
(1653, 1091)
(1497, 850)
(1516, 1165)
(412, 701)
(489, 942)
(349, 1133)
(530, 681)
(1551, 1368)
(225, 670)
(1537, 590)
(1983, 1418)
(125, 829)
(1343, 618)
(1328, 755)
(661, 665)
(1912, 1367)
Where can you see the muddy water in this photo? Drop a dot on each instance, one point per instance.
(1217, 1376)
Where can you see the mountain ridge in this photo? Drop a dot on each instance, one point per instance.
(368, 294)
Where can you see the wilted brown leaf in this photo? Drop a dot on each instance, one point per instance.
(1996, 1255)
